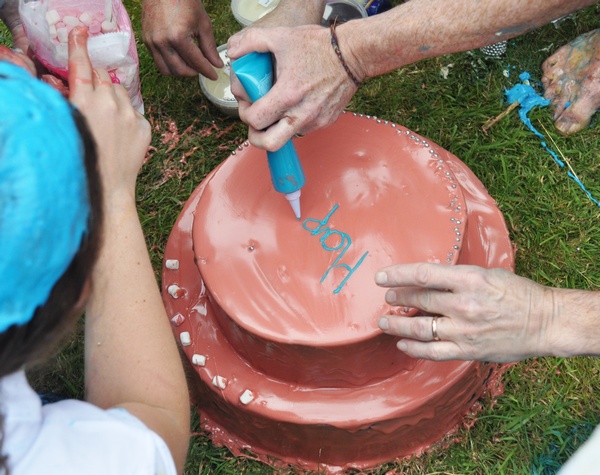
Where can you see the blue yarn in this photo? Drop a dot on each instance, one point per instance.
(528, 98)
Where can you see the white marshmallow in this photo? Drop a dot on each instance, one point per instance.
(175, 291)
(247, 397)
(52, 17)
(71, 20)
(198, 360)
(85, 18)
(108, 26)
(185, 338)
(52, 31)
(219, 382)
(62, 34)
(172, 264)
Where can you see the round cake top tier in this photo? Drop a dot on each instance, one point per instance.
(388, 198)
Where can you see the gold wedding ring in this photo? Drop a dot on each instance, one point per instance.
(434, 328)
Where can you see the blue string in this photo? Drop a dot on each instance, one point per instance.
(528, 98)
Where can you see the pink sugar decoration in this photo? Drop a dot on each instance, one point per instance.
(95, 28)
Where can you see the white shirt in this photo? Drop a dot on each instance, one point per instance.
(73, 437)
(586, 460)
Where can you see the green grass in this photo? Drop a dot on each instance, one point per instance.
(549, 405)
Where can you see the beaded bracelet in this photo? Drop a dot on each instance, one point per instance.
(338, 52)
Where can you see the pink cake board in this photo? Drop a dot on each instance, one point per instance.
(323, 388)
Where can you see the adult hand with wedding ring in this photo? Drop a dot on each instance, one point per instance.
(478, 314)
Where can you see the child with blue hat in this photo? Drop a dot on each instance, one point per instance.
(71, 240)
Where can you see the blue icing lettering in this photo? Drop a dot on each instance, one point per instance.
(333, 240)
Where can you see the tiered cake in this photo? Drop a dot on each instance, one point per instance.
(278, 316)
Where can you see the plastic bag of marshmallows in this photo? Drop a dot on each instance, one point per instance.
(111, 42)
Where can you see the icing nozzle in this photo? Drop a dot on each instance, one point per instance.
(294, 199)
(255, 72)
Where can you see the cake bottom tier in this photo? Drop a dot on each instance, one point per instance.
(321, 429)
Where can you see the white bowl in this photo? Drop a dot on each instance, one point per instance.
(247, 12)
(343, 11)
(219, 92)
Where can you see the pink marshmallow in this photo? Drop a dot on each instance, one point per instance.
(95, 28)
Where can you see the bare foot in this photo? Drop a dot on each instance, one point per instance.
(572, 82)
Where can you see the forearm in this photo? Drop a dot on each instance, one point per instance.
(131, 357)
(575, 323)
(310, 10)
(420, 29)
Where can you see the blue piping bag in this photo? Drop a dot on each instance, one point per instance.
(255, 72)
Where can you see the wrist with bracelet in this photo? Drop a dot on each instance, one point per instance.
(338, 52)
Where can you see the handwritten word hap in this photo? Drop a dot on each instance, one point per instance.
(333, 240)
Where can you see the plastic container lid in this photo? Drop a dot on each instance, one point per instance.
(342, 11)
(247, 12)
(219, 92)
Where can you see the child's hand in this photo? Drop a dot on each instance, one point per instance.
(121, 133)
